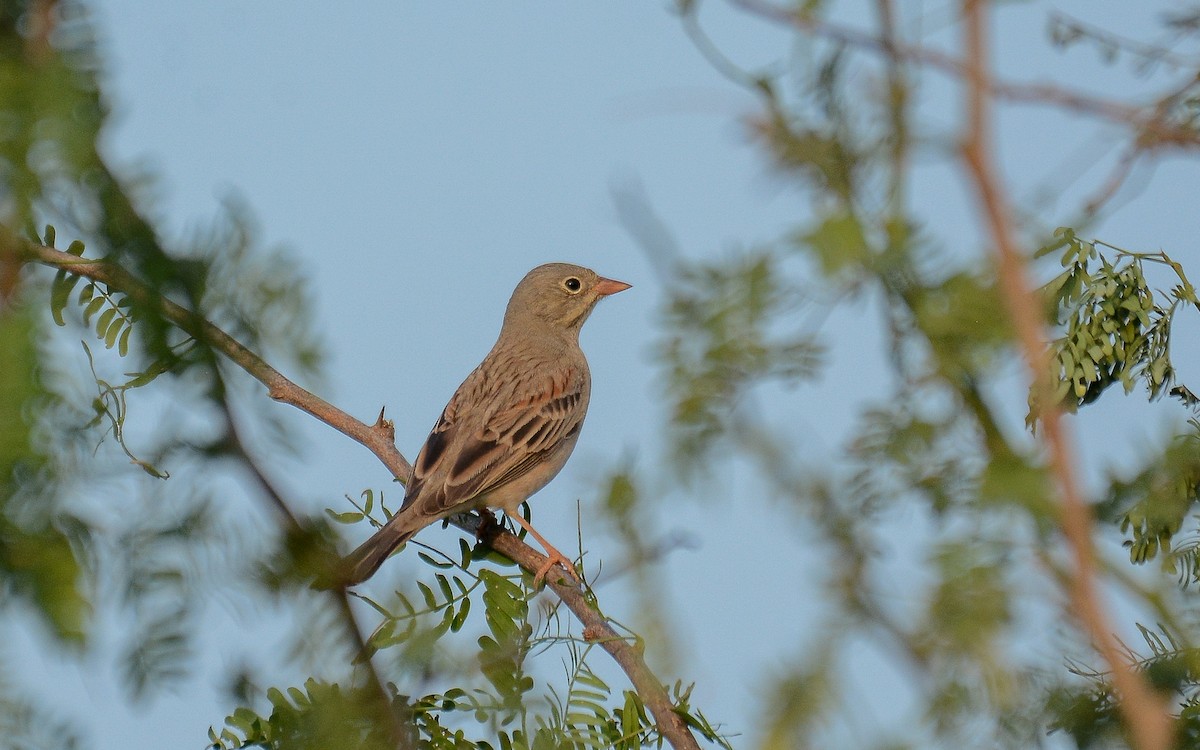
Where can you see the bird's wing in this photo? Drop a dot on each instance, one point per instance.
(467, 456)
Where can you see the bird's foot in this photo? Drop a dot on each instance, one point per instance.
(554, 556)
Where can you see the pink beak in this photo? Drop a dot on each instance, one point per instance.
(605, 287)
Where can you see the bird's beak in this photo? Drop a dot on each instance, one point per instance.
(605, 287)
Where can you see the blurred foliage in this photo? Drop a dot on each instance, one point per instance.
(719, 341)
(80, 537)
(457, 658)
(495, 706)
(26, 724)
(36, 558)
(839, 119)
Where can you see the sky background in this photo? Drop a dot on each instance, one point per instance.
(418, 158)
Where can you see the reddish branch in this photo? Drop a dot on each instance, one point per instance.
(1145, 712)
(379, 439)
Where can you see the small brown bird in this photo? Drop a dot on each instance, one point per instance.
(511, 425)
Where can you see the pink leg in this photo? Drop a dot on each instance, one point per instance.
(552, 554)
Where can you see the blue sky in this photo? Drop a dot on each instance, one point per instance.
(418, 158)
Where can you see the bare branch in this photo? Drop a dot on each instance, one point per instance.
(376, 439)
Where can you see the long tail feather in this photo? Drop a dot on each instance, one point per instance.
(362, 563)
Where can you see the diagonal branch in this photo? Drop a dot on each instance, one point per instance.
(1144, 712)
(379, 439)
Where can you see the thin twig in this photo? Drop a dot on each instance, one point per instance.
(1115, 181)
(1149, 53)
(379, 439)
(1151, 124)
(897, 107)
(1144, 712)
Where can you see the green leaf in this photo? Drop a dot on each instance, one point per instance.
(838, 242)
(92, 308)
(59, 293)
(105, 319)
(461, 618)
(348, 517)
(114, 330)
(76, 248)
(42, 567)
(447, 621)
(1010, 478)
(629, 715)
(588, 678)
(143, 378)
(430, 599)
(49, 235)
(1061, 239)
(123, 344)
(406, 603)
(429, 560)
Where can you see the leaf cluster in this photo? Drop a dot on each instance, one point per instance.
(496, 709)
(1116, 329)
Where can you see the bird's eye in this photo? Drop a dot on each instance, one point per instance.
(572, 284)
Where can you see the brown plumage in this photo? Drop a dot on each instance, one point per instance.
(512, 424)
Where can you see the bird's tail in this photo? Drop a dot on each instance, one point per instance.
(362, 563)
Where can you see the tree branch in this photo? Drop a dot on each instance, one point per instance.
(1151, 124)
(1145, 713)
(397, 733)
(379, 439)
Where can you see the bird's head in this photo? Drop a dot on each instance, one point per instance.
(560, 295)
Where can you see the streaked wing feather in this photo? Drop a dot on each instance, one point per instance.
(511, 441)
(518, 469)
(435, 446)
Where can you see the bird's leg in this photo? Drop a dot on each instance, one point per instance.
(552, 554)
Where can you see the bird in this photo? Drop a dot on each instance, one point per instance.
(512, 424)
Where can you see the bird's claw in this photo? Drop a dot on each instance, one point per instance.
(551, 559)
